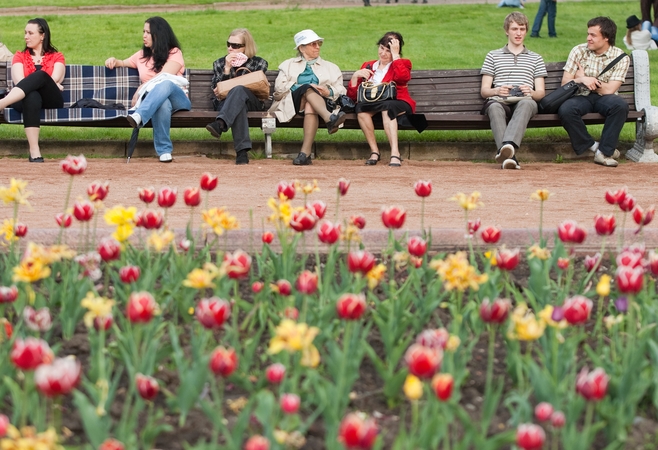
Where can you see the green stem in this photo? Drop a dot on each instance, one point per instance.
(589, 415)
(422, 216)
(490, 360)
(14, 221)
(541, 222)
(66, 205)
(337, 203)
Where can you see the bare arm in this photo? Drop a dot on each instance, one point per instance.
(112, 63)
(540, 89)
(608, 88)
(487, 91)
(171, 67)
(59, 71)
(17, 73)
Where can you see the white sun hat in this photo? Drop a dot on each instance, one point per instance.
(306, 37)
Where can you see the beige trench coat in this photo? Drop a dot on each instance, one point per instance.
(328, 75)
(5, 53)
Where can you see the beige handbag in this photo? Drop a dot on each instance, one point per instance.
(256, 82)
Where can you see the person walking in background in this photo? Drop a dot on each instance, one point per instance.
(645, 9)
(512, 4)
(636, 38)
(545, 7)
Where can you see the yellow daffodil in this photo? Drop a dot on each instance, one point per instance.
(28, 439)
(351, 234)
(31, 270)
(524, 326)
(202, 278)
(539, 252)
(118, 215)
(281, 211)
(603, 286)
(453, 343)
(413, 387)
(15, 193)
(294, 337)
(57, 253)
(456, 273)
(123, 232)
(546, 315)
(8, 230)
(541, 195)
(98, 307)
(375, 275)
(159, 240)
(219, 220)
(611, 321)
(491, 256)
(307, 188)
(468, 202)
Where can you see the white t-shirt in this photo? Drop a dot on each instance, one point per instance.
(641, 41)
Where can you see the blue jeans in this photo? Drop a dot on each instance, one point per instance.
(158, 105)
(646, 25)
(545, 6)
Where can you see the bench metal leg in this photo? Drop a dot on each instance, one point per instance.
(269, 127)
(268, 145)
(646, 130)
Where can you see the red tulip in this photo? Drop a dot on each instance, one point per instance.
(442, 385)
(283, 287)
(63, 220)
(8, 294)
(4, 424)
(351, 306)
(149, 219)
(415, 261)
(490, 235)
(530, 436)
(358, 221)
(103, 322)
(147, 195)
(208, 182)
(7, 328)
(147, 387)
(629, 280)
(614, 198)
(184, 244)
(257, 443)
(507, 259)
(267, 237)
(20, 230)
(319, 207)
(343, 186)
(563, 263)
(129, 274)
(543, 411)
(473, 226)
(141, 307)
(58, 378)
(627, 204)
(237, 264)
(213, 312)
(592, 385)
(496, 311)
(223, 361)
(643, 218)
(393, 217)
(98, 191)
(416, 246)
(112, 444)
(257, 286)
(275, 373)
(652, 264)
(423, 362)
(30, 353)
(109, 249)
(291, 313)
(290, 403)
(423, 188)
(307, 282)
(557, 419)
(577, 309)
(74, 165)
(631, 259)
(37, 320)
(286, 190)
(329, 233)
(604, 225)
(592, 262)
(356, 432)
(192, 196)
(570, 232)
(303, 220)
(167, 197)
(83, 210)
(360, 261)
(433, 338)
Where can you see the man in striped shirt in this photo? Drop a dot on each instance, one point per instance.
(598, 94)
(512, 83)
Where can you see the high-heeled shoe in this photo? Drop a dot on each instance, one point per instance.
(373, 162)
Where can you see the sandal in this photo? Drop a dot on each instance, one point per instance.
(393, 164)
(373, 162)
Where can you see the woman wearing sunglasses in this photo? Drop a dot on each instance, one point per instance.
(164, 89)
(390, 67)
(240, 60)
(304, 86)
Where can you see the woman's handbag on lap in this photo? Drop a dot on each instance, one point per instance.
(256, 82)
(370, 92)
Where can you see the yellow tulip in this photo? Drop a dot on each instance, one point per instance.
(541, 195)
(413, 387)
(603, 286)
(467, 202)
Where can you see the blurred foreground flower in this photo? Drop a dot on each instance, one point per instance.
(141, 307)
(413, 387)
(237, 264)
(74, 165)
(524, 325)
(213, 312)
(468, 202)
(111, 444)
(160, 240)
(220, 220)
(351, 306)
(30, 353)
(442, 385)
(393, 217)
(592, 386)
(58, 378)
(357, 432)
(530, 436)
(422, 361)
(202, 278)
(294, 337)
(37, 320)
(257, 442)
(27, 438)
(15, 193)
(456, 272)
(99, 308)
(223, 361)
(147, 386)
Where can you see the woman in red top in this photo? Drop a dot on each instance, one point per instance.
(389, 67)
(37, 73)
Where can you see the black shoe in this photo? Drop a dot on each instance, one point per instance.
(395, 164)
(38, 159)
(335, 121)
(302, 160)
(373, 162)
(242, 157)
(215, 129)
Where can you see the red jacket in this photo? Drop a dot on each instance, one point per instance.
(400, 72)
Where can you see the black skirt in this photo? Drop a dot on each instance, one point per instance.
(396, 109)
(298, 93)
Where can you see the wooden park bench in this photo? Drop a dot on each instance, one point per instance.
(450, 100)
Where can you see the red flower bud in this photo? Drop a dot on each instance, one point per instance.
(103, 322)
(141, 307)
(63, 220)
(223, 361)
(343, 186)
(4, 423)
(129, 274)
(433, 338)
(37, 320)
(237, 264)
(290, 403)
(74, 165)
(20, 230)
(423, 188)
(557, 419)
(147, 195)
(652, 263)
(577, 309)
(257, 286)
(543, 411)
(360, 261)
(257, 443)
(329, 233)
(351, 306)
(490, 235)
(563, 263)
(307, 282)
(83, 210)
(629, 280)
(530, 436)
(643, 218)
(98, 191)
(570, 232)
(109, 249)
(267, 237)
(30, 353)
(507, 259)
(291, 313)
(473, 226)
(8, 294)
(58, 378)
(393, 217)
(358, 221)
(147, 387)
(416, 246)
(319, 208)
(149, 219)
(303, 220)
(275, 373)
(614, 198)
(283, 287)
(423, 362)
(167, 197)
(496, 311)
(213, 312)
(627, 204)
(442, 384)
(356, 432)
(592, 262)
(112, 444)
(604, 225)
(192, 196)
(208, 182)
(593, 385)
(286, 190)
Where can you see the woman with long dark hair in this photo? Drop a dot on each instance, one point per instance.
(164, 89)
(37, 73)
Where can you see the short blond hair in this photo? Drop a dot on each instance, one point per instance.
(250, 48)
(517, 17)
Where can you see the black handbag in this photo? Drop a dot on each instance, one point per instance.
(370, 92)
(346, 104)
(552, 102)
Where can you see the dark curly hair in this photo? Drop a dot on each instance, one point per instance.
(163, 41)
(386, 39)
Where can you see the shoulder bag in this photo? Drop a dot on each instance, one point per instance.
(370, 92)
(552, 102)
(256, 82)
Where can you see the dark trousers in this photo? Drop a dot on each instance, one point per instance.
(545, 7)
(612, 107)
(233, 111)
(645, 7)
(41, 92)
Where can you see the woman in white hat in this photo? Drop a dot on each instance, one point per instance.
(304, 85)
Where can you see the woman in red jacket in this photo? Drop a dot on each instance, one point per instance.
(37, 73)
(390, 67)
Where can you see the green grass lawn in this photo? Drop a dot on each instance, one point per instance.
(436, 37)
(76, 3)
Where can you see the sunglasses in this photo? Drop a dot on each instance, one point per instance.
(233, 45)
(315, 44)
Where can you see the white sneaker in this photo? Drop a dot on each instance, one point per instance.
(166, 158)
(134, 120)
(510, 164)
(505, 152)
(594, 148)
(601, 159)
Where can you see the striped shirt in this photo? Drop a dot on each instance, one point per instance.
(506, 68)
(593, 64)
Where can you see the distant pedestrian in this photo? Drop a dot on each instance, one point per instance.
(512, 3)
(366, 3)
(545, 7)
(637, 39)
